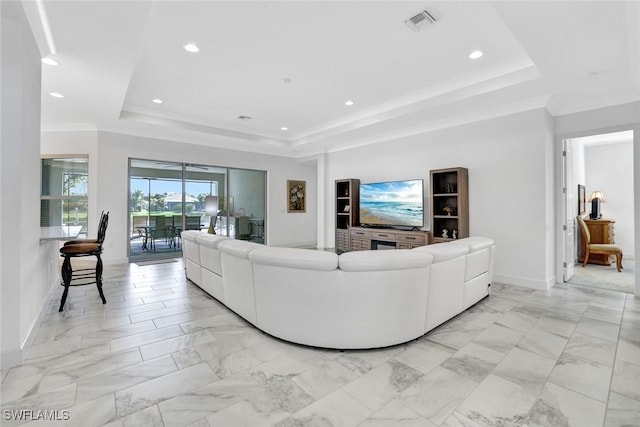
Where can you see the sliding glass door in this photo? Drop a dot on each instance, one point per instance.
(168, 197)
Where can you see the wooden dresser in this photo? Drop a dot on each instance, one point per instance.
(602, 231)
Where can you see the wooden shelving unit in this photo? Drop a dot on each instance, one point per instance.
(347, 211)
(449, 204)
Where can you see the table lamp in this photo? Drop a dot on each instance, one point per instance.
(596, 198)
(211, 209)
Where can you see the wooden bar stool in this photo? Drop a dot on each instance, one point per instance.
(84, 248)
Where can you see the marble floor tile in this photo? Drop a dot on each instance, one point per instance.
(55, 348)
(622, 411)
(436, 395)
(561, 327)
(626, 379)
(126, 311)
(473, 361)
(99, 337)
(396, 414)
(525, 368)
(55, 378)
(499, 338)
(630, 329)
(591, 348)
(159, 313)
(35, 367)
(187, 316)
(325, 378)
(118, 379)
(558, 406)
(455, 333)
(63, 397)
(242, 360)
(629, 350)
(149, 417)
(209, 399)
(606, 314)
(171, 345)
(498, 402)
(245, 414)
(543, 343)
(426, 356)
(518, 320)
(338, 409)
(137, 340)
(149, 393)
(598, 329)
(378, 386)
(583, 376)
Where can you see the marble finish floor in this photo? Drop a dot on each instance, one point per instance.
(162, 353)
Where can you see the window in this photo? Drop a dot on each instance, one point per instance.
(64, 195)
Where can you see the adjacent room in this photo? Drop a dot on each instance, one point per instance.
(303, 213)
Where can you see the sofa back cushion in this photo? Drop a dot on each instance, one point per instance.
(210, 240)
(302, 259)
(238, 248)
(443, 251)
(399, 259)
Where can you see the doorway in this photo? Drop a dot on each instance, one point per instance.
(602, 162)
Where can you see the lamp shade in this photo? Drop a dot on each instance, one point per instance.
(211, 205)
(598, 195)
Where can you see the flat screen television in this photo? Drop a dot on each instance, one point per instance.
(392, 203)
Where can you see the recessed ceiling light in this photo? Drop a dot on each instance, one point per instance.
(348, 103)
(49, 61)
(191, 48)
(157, 101)
(244, 117)
(286, 80)
(284, 128)
(56, 95)
(475, 54)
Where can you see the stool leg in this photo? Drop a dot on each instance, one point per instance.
(99, 278)
(67, 272)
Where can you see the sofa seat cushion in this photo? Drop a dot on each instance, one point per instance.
(399, 259)
(477, 243)
(238, 248)
(443, 251)
(304, 259)
(210, 240)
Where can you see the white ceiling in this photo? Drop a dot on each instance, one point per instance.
(116, 57)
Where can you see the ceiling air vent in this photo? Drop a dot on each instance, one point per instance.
(421, 20)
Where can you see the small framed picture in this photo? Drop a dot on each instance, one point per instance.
(346, 209)
(581, 200)
(296, 196)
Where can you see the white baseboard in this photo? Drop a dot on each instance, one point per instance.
(11, 358)
(527, 282)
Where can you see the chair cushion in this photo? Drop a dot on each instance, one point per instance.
(81, 249)
(605, 248)
(79, 241)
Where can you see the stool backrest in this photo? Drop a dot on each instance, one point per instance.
(102, 226)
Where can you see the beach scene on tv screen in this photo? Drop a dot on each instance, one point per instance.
(392, 203)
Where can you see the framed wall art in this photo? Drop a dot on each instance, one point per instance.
(296, 196)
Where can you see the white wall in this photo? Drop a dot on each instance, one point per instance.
(109, 172)
(509, 190)
(609, 168)
(24, 266)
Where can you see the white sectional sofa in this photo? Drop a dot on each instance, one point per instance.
(362, 299)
